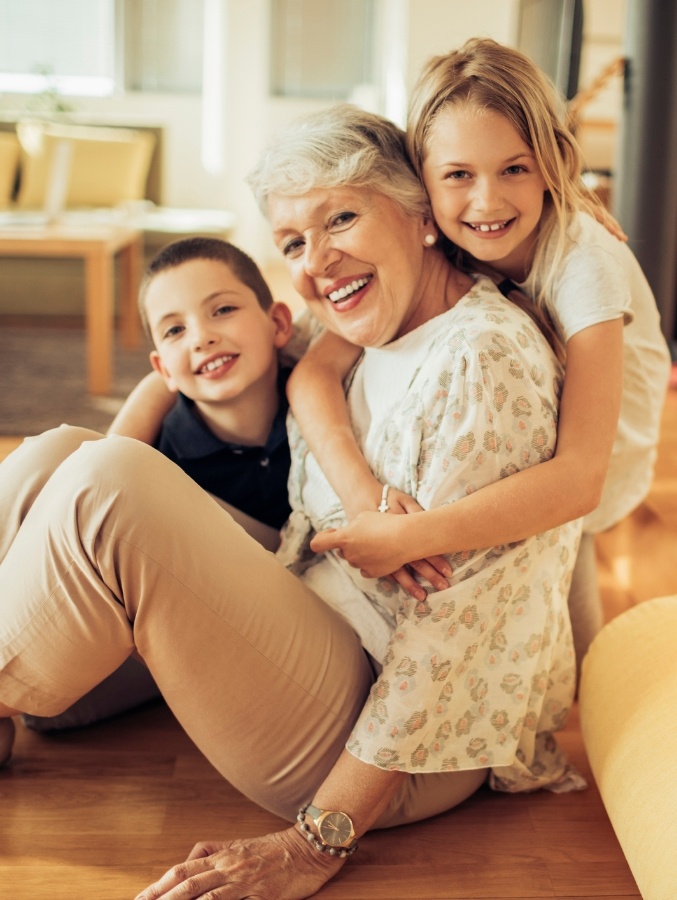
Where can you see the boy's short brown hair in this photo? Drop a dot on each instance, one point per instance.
(242, 266)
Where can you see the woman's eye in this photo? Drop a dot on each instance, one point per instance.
(457, 175)
(342, 220)
(292, 248)
(515, 170)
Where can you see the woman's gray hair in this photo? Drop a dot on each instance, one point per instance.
(342, 146)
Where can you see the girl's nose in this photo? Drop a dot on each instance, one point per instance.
(486, 195)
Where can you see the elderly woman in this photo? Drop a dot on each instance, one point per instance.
(336, 701)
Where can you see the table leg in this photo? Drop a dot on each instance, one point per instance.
(130, 258)
(99, 318)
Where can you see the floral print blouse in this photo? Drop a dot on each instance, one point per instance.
(479, 675)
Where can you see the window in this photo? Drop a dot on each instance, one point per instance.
(66, 46)
(321, 48)
(163, 45)
(93, 47)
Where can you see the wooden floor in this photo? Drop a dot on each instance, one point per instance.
(100, 812)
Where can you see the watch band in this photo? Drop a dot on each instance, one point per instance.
(320, 816)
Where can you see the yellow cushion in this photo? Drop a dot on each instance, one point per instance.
(9, 163)
(107, 165)
(628, 706)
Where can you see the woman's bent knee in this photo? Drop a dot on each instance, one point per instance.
(424, 796)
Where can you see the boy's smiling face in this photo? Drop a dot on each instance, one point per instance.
(213, 341)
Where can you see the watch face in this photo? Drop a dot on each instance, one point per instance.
(336, 829)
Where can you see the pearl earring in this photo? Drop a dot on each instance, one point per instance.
(429, 240)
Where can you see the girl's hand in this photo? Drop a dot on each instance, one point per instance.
(373, 544)
(281, 865)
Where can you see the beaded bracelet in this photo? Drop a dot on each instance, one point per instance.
(341, 852)
(383, 507)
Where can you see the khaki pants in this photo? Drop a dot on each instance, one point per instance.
(108, 550)
(585, 603)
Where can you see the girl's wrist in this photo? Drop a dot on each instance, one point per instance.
(364, 497)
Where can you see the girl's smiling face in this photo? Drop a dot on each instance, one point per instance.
(356, 259)
(485, 187)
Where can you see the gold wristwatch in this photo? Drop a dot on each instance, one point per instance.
(336, 833)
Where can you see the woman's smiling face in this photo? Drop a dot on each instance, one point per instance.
(356, 259)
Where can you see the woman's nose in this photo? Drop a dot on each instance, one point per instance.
(319, 255)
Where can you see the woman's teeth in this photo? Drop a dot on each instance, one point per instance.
(348, 289)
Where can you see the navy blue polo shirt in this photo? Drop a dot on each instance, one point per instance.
(253, 479)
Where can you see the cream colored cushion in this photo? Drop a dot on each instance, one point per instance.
(107, 166)
(628, 706)
(9, 163)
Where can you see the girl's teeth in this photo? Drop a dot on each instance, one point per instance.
(496, 227)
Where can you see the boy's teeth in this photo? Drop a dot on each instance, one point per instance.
(496, 227)
(215, 363)
(347, 290)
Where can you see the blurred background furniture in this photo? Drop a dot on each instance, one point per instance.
(97, 245)
(82, 177)
(628, 711)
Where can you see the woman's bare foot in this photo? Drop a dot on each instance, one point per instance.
(7, 732)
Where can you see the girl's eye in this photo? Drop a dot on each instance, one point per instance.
(457, 175)
(515, 170)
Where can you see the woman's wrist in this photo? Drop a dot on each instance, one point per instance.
(328, 864)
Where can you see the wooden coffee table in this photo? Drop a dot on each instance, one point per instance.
(97, 245)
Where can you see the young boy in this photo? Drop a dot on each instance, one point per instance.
(216, 333)
(221, 398)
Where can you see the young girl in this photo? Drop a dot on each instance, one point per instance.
(487, 137)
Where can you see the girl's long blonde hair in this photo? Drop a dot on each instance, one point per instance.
(489, 75)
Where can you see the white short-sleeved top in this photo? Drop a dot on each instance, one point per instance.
(598, 280)
(481, 674)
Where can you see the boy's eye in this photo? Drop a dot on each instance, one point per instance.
(172, 331)
(225, 309)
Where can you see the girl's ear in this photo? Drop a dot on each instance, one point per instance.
(156, 363)
(281, 317)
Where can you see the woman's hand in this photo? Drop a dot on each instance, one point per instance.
(281, 865)
(373, 543)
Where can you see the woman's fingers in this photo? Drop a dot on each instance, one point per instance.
(325, 540)
(279, 865)
(194, 878)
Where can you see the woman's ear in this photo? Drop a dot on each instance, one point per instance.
(430, 232)
(156, 363)
(281, 317)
